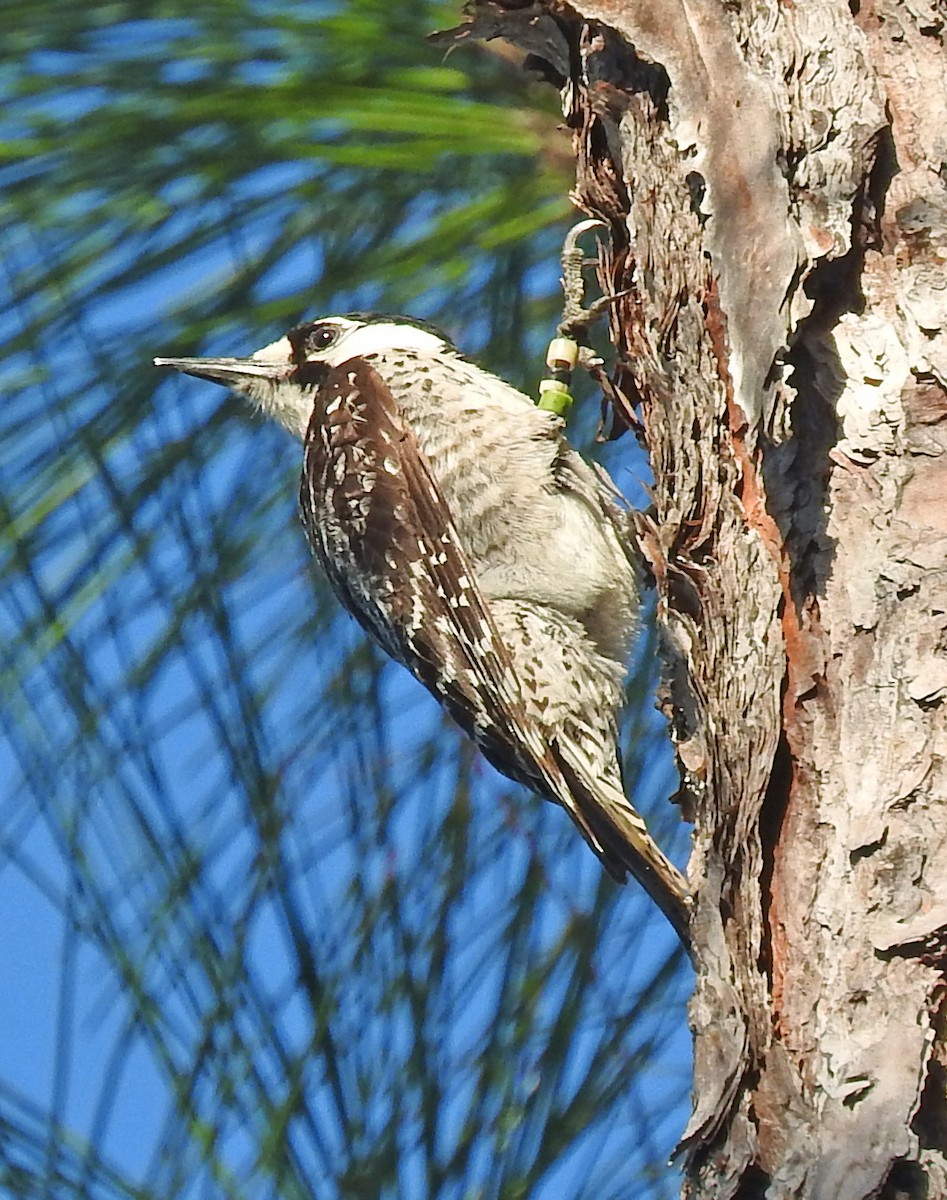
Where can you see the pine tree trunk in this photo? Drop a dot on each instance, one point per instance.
(773, 176)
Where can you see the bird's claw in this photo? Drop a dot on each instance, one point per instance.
(576, 315)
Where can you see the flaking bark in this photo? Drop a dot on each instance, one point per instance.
(773, 176)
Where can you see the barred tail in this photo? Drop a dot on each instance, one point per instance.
(620, 838)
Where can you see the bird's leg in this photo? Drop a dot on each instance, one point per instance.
(576, 316)
(567, 349)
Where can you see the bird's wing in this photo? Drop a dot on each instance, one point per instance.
(379, 523)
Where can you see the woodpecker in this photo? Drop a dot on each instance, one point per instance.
(474, 544)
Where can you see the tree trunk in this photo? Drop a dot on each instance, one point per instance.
(773, 177)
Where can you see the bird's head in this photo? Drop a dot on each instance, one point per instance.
(282, 378)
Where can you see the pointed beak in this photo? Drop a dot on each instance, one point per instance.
(231, 372)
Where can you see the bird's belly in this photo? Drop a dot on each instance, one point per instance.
(558, 557)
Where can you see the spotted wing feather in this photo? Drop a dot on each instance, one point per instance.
(379, 523)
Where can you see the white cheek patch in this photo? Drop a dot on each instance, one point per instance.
(379, 336)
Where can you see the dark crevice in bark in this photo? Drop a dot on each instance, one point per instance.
(865, 851)
(930, 1121)
(616, 66)
(697, 188)
(797, 475)
(797, 471)
(772, 813)
(883, 170)
(905, 1181)
(753, 1185)
(835, 284)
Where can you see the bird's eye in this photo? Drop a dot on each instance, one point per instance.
(320, 337)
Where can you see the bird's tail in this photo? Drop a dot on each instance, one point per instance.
(620, 838)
